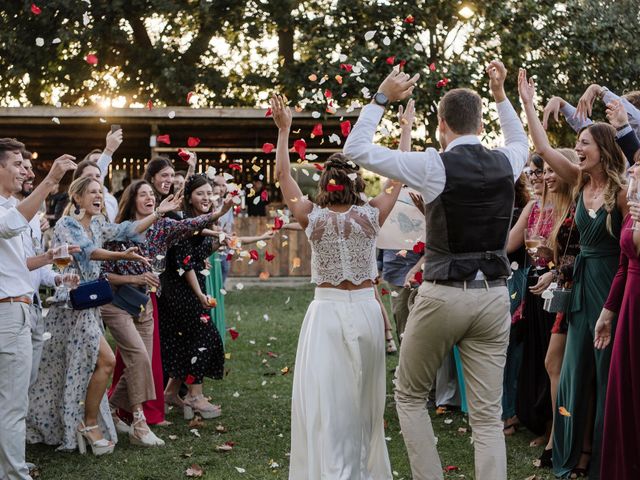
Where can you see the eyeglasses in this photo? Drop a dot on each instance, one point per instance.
(538, 172)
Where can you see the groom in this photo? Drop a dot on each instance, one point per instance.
(468, 192)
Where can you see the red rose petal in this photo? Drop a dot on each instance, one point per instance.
(164, 139)
(402, 63)
(451, 468)
(347, 67)
(234, 333)
(327, 93)
(35, 9)
(391, 60)
(189, 95)
(267, 256)
(229, 256)
(253, 254)
(184, 154)
(269, 112)
(418, 276)
(384, 291)
(149, 105)
(345, 127)
(319, 167)
(334, 188)
(409, 19)
(317, 130)
(442, 83)
(91, 59)
(235, 166)
(189, 379)
(264, 196)
(268, 147)
(278, 223)
(432, 67)
(300, 147)
(186, 260)
(419, 247)
(193, 141)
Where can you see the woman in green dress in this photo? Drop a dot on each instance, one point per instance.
(601, 206)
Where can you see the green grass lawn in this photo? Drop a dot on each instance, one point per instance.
(255, 396)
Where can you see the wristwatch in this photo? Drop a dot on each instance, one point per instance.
(381, 99)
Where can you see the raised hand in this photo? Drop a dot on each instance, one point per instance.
(171, 203)
(398, 85)
(408, 116)
(553, 107)
(281, 112)
(616, 114)
(497, 74)
(114, 140)
(526, 88)
(60, 166)
(585, 104)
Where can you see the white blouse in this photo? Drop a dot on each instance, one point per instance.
(343, 245)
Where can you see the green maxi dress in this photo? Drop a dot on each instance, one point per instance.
(214, 284)
(584, 366)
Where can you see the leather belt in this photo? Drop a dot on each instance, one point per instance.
(500, 282)
(26, 300)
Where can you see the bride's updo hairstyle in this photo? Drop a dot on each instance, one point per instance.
(340, 182)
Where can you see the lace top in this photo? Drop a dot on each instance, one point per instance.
(343, 245)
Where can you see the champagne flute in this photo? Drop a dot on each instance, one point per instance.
(633, 195)
(532, 241)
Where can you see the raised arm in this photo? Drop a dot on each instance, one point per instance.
(299, 205)
(565, 169)
(113, 141)
(406, 119)
(385, 201)
(516, 235)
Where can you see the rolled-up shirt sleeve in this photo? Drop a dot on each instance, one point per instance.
(569, 112)
(632, 112)
(422, 171)
(12, 223)
(516, 143)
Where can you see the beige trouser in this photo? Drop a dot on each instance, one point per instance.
(400, 308)
(477, 320)
(134, 338)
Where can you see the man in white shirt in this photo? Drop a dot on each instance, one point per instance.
(16, 295)
(469, 193)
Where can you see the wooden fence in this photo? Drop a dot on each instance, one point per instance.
(291, 249)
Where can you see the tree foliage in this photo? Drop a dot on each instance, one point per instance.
(235, 52)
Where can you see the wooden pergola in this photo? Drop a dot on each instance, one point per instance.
(228, 135)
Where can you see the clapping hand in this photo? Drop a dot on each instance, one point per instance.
(171, 203)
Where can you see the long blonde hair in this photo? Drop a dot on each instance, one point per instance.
(613, 163)
(562, 199)
(77, 188)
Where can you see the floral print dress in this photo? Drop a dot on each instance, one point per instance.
(56, 400)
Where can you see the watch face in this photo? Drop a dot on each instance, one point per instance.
(381, 99)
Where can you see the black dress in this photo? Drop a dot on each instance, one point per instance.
(190, 343)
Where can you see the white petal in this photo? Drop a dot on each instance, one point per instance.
(369, 35)
(172, 114)
(386, 41)
(39, 41)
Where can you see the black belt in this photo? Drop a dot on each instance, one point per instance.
(500, 282)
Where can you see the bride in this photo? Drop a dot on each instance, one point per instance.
(337, 426)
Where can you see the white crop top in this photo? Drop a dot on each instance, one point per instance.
(343, 245)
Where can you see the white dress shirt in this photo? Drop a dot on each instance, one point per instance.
(424, 171)
(110, 202)
(32, 244)
(14, 274)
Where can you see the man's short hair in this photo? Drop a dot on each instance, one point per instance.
(26, 154)
(9, 145)
(461, 108)
(633, 98)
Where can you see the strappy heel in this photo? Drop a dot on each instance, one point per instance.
(172, 401)
(149, 439)
(211, 411)
(391, 344)
(98, 447)
(121, 426)
(544, 460)
(579, 472)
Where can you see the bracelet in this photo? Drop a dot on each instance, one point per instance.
(158, 214)
(619, 129)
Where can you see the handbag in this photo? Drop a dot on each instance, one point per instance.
(130, 299)
(558, 301)
(91, 294)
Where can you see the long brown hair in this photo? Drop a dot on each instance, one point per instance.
(127, 206)
(154, 166)
(339, 171)
(613, 163)
(193, 183)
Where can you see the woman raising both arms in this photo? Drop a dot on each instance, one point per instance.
(337, 428)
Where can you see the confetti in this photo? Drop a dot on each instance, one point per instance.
(346, 67)
(592, 213)
(300, 147)
(432, 67)
(233, 332)
(240, 470)
(345, 127)
(264, 276)
(166, 139)
(269, 112)
(195, 432)
(39, 41)
(386, 41)
(171, 114)
(338, 79)
(46, 336)
(564, 412)
(184, 155)
(35, 9)
(335, 188)
(193, 142)
(149, 105)
(313, 77)
(56, 120)
(295, 263)
(442, 83)
(91, 59)
(409, 19)
(391, 60)
(369, 35)
(268, 147)
(205, 272)
(515, 266)
(317, 131)
(194, 470)
(419, 247)
(189, 95)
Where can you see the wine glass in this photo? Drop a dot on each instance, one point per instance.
(533, 240)
(158, 265)
(633, 195)
(70, 281)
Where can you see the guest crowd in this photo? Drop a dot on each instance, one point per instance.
(150, 268)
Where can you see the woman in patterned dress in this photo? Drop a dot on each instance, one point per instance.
(68, 405)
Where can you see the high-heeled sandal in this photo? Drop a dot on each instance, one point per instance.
(391, 344)
(121, 426)
(211, 411)
(579, 472)
(148, 439)
(172, 401)
(544, 460)
(98, 447)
